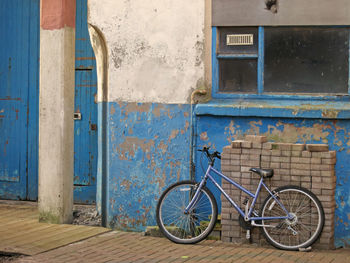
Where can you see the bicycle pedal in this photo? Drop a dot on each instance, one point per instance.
(305, 249)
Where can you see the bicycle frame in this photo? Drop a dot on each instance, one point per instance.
(255, 196)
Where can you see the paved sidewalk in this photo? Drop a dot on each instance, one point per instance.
(134, 247)
(20, 231)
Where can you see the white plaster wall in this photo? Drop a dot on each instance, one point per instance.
(155, 48)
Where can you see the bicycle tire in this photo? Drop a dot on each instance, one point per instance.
(186, 228)
(307, 223)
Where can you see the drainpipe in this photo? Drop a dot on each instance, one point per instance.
(201, 92)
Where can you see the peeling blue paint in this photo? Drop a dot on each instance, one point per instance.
(221, 126)
(148, 149)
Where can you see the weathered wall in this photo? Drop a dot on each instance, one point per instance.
(150, 57)
(220, 131)
(155, 48)
(148, 150)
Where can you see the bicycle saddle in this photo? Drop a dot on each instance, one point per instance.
(265, 173)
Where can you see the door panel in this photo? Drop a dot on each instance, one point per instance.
(19, 22)
(85, 129)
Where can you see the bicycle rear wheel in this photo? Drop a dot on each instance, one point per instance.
(303, 229)
(186, 228)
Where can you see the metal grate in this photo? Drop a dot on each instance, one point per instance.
(239, 40)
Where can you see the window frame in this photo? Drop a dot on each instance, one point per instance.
(216, 94)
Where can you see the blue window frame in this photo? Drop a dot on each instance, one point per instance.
(253, 60)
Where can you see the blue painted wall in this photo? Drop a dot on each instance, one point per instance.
(148, 148)
(218, 129)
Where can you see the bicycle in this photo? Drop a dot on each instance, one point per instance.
(291, 217)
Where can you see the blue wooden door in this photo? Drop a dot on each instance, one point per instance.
(85, 125)
(19, 55)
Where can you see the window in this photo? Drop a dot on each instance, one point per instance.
(275, 60)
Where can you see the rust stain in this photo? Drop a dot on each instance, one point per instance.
(126, 184)
(163, 147)
(187, 124)
(9, 98)
(16, 113)
(130, 145)
(6, 143)
(135, 107)
(285, 132)
(204, 136)
(112, 111)
(173, 135)
(156, 110)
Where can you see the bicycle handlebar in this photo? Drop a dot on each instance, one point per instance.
(211, 156)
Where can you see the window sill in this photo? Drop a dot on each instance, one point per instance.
(276, 108)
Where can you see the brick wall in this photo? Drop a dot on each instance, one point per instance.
(307, 165)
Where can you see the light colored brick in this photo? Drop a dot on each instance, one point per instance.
(236, 144)
(266, 152)
(256, 138)
(286, 153)
(275, 165)
(306, 185)
(265, 158)
(315, 160)
(246, 144)
(276, 153)
(300, 166)
(298, 147)
(300, 172)
(306, 154)
(300, 160)
(256, 145)
(329, 161)
(329, 179)
(235, 156)
(234, 162)
(315, 173)
(285, 165)
(296, 153)
(328, 173)
(316, 179)
(236, 150)
(226, 150)
(267, 146)
(317, 147)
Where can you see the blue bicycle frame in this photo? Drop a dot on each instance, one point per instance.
(239, 210)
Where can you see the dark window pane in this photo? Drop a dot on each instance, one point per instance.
(238, 75)
(238, 49)
(306, 60)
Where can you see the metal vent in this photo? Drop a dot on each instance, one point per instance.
(239, 40)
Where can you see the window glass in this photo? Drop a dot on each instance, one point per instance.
(238, 75)
(306, 60)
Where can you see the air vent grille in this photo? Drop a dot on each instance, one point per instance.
(239, 40)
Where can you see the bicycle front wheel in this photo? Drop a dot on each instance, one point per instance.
(306, 224)
(191, 227)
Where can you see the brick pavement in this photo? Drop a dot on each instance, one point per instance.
(134, 247)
